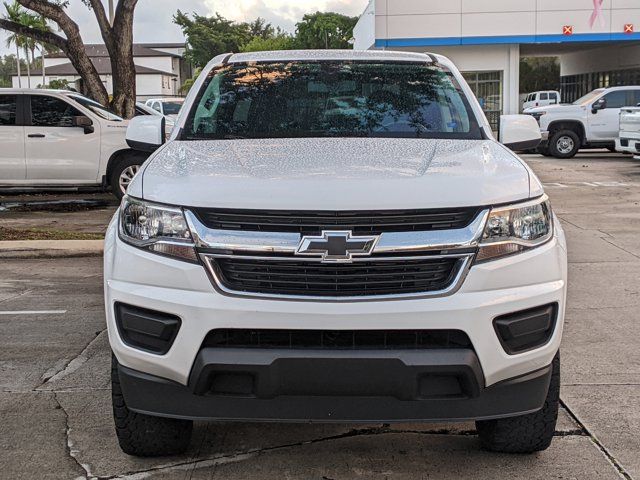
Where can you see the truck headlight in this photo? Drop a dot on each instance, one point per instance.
(157, 228)
(516, 228)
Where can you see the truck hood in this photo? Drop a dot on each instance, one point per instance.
(334, 174)
(552, 109)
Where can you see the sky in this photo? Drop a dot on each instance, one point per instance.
(153, 19)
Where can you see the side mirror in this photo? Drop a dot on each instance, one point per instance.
(85, 123)
(601, 104)
(519, 132)
(146, 133)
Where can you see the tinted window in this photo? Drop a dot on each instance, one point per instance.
(96, 108)
(616, 99)
(331, 99)
(51, 112)
(172, 108)
(588, 97)
(636, 98)
(553, 96)
(544, 96)
(7, 109)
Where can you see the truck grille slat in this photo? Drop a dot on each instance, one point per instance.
(349, 279)
(359, 222)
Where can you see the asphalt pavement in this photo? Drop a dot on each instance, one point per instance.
(55, 392)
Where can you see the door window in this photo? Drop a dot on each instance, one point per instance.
(544, 96)
(8, 110)
(51, 112)
(156, 107)
(636, 98)
(617, 99)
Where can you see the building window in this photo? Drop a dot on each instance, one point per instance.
(575, 86)
(487, 86)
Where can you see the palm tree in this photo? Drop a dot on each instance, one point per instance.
(29, 45)
(15, 13)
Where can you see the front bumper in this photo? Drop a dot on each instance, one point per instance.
(486, 372)
(629, 143)
(286, 389)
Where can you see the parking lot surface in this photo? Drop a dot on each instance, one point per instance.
(55, 392)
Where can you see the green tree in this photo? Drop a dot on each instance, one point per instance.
(539, 73)
(8, 65)
(279, 41)
(57, 84)
(324, 30)
(211, 36)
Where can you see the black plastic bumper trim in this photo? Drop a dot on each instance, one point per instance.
(160, 397)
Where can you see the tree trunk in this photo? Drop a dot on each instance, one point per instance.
(18, 64)
(44, 75)
(26, 52)
(72, 45)
(119, 42)
(85, 68)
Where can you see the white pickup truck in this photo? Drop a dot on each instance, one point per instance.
(334, 236)
(629, 139)
(58, 138)
(592, 121)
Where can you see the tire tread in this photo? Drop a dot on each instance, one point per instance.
(145, 435)
(525, 433)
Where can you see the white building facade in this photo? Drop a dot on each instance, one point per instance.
(160, 69)
(597, 41)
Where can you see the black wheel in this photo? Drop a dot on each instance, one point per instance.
(123, 171)
(144, 435)
(564, 144)
(526, 433)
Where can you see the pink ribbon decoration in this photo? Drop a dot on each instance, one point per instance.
(597, 14)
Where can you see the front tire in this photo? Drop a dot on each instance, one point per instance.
(564, 144)
(123, 172)
(143, 435)
(525, 433)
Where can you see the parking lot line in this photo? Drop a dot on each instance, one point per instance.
(34, 312)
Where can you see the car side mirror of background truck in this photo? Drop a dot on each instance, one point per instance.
(146, 133)
(85, 123)
(519, 132)
(600, 104)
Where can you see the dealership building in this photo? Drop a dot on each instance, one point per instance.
(597, 41)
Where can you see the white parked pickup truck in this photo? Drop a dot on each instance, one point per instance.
(58, 138)
(592, 121)
(629, 139)
(334, 236)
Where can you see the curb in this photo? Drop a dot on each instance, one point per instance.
(51, 248)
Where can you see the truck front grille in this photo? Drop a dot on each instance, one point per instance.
(358, 222)
(315, 279)
(341, 339)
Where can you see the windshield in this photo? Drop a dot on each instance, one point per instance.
(331, 99)
(172, 108)
(96, 108)
(589, 97)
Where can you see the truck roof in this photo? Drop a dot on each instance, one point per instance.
(310, 55)
(34, 90)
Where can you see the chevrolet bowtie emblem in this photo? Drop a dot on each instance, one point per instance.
(337, 246)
